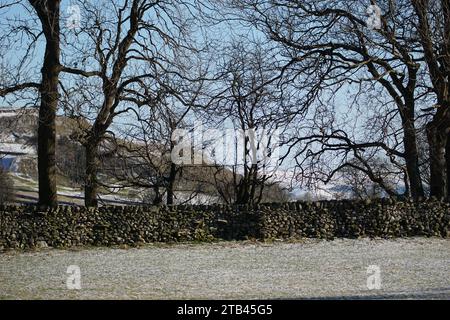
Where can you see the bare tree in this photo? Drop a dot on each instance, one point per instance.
(127, 46)
(433, 31)
(145, 152)
(48, 13)
(253, 106)
(150, 135)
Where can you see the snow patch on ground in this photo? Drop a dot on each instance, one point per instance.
(16, 148)
(7, 114)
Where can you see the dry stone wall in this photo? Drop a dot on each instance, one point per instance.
(64, 226)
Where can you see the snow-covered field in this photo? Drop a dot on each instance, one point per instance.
(16, 148)
(409, 268)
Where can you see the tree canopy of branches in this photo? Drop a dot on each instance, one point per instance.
(359, 90)
(406, 56)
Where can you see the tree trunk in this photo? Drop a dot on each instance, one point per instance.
(48, 13)
(412, 161)
(437, 141)
(91, 184)
(447, 161)
(158, 198)
(171, 183)
(170, 196)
